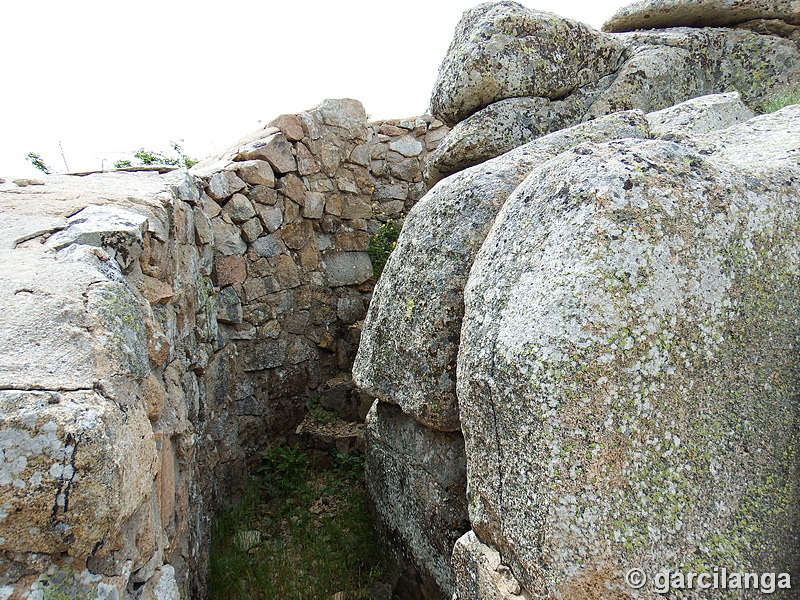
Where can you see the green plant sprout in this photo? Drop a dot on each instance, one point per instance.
(383, 243)
(36, 160)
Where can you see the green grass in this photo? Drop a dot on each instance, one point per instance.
(314, 535)
(778, 102)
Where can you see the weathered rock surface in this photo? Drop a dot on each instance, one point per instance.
(118, 230)
(504, 50)
(627, 373)
(699, 115)
(773, 27)
(670, 66)
(86, 485)
(658, 14)
(76, 469)
(653, 70)
(494, 130)
(419, 476)
(17, 229)
(411, 333)
(43, 298)
(480, 572)
(347, 268)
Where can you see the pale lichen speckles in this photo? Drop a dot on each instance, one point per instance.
(627, 370)
(120, 327)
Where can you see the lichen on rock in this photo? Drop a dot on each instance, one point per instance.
(627, 373)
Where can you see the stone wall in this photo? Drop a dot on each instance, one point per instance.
(161, 331)
(292, 208)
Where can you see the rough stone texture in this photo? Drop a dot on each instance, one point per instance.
(480, 572)
(419, 476)
(504, 50)
(119, 230)
(239, 209)
(658, 14)
(773, 27)
(290, 126)
(347, 268)
(15, 229)
(275, 149)
(655, 70)
(494, 130)
(223, 184)
(408, 350)
(83, 485)
(134, 332)
(255, 172)
(699, 115)
(76, 469)
(671, 66)
(627, 373)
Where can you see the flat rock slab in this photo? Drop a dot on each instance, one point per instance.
(16, 229)
(659, 14)
(347, 268)
(45, 341)
(64, 195)
(118, 230)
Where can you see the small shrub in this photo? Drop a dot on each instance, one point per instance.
(383, 243)
(37, 161)
(155, 157)
(318, 412)
(282, 469)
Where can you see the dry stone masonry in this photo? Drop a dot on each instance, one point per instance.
(160, 331)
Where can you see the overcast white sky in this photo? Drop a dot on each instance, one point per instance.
(108, 77)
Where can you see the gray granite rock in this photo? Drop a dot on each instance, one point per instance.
(699, 115)
(347, 268)
(658, 14)
(411, 334)
(627, 371)
(115, 229)
(416, 478)
(275, 149)
(656, 69)
(504, 50)
(496, 129)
